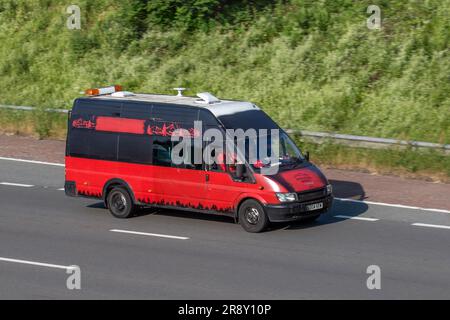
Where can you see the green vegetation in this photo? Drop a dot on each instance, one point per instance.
(40, 123)
(423, 164)
(311, 64)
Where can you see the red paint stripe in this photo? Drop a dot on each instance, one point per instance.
(120, 125)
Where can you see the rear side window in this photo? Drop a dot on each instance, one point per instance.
(135, 148)
(97, 107)
(134, 110)
(104, 146)
(78, 143)
(170, 113)
(94, 145)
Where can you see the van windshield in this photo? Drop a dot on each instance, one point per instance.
(289, 155)
(280, 151)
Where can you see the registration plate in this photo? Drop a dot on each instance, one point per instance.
(314, 206)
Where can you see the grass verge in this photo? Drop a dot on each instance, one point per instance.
(38, 124)
(430, 165)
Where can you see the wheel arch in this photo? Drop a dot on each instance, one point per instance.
(246, 197)
(110, 184)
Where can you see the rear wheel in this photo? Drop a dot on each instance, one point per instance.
(252, 216)
(120, 203)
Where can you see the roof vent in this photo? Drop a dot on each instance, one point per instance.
(122, 94)
(207, 98)
(180, 91)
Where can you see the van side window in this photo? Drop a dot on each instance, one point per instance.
(174, 113)
(136, 110)
(86, 143)
(135, 148)
(97, 107)
(161, 151)
(78, 143)
(103, 146)
(190, 163)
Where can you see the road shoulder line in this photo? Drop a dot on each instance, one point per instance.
(393, 205)
(438, 226)
(149, 234)
(10, 184)
(33, 162)
(34, 263)
(356, 218)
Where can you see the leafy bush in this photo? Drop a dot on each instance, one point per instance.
(310, 64)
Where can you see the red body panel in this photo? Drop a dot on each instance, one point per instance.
(303, 179)
(195, 189)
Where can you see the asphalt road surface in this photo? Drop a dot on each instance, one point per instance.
(179, 255)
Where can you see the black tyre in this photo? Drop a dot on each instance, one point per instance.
(120, 203)
(252, 216)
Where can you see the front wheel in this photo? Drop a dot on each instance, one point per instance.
(120, 203)
(252, 216)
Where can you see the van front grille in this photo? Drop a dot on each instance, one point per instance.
(312, 195)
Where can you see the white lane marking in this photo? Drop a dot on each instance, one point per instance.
(16, 185)
(431, 225)
(393, 205)
(39, 264)
(357, 218)
(61, 189)
(150, 234)
(34, 162)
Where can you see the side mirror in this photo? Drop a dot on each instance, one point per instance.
(307, 156)
(240, 170)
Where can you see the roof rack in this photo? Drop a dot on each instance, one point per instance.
(180, 91)
(103, 91)
(122, 94)
(207, 98)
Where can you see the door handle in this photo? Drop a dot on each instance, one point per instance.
(207, 177)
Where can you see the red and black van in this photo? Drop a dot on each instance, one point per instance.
(119, 150)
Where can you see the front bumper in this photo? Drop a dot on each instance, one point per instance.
(296, 210)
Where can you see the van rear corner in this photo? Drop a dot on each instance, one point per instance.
(70, 189)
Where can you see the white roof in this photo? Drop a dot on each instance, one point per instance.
(223, 107)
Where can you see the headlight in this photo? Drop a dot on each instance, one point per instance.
(287, 197)
(329, 189)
